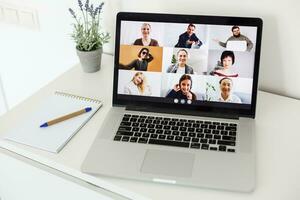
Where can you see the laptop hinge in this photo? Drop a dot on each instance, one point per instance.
(181, 112)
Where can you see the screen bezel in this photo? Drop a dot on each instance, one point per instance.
(228, 109)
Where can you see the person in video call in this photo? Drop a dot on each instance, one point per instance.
(138, 85)
(141, 63)
(182, 90)
(236, 36)
(188, 38)
(226, 65)
(145, 40)
(181, 67)
(226, 95)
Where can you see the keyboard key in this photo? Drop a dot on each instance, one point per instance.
(195, 145)
(117, 137)
(125, 124)
(125, 119)
(196, 125)
(171, 123)
(150, 126)
(179, 124)
(191, 129)
(200, 135)
(191, 121)
(188, 124)
(162, 137)
(175, 133)
(134, 116)
(212, 141)
(178, 138)
(232, 133)
(135, 124)
(159, 131)
(164, 122)
(204, 126)
(143, 130)
(154, 136)
(209, 136)
(207, 131)
(199, 130)
(167, 132)
(192, 134)
(224, 142)
(158, 126)
(182, 128)
(125, 138)
(124, 128)
(228, 138)
(169, 143)
(183, 134)
(212, 127)
(207, 122)
(137, 134)
(127, 115)
(217, 137)
(230, 128)
(216, 123)
(195, 139)
(133, 119)
(127, 133)
(213, 148)
(174, 128)
(133, 139)
(151, 130)
(204, 141)
(143, 140)
(143, 125)
(224, 132)
(183, 120)
(231, 150)
(135, 129)
(205, 146)
(216, 132)
(222, 148)
(145, 135)
(186, 139)
(170, 137)
(220, 127)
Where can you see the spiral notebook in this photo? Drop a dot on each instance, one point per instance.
(55, 137)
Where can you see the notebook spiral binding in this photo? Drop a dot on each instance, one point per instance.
(77, 97)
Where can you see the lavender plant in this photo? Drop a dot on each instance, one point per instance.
(87, 30)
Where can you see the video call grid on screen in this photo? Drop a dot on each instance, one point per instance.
(204, 77)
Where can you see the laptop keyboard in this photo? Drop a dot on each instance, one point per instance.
(195, 134)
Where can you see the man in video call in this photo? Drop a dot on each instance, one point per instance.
(237, 36)
(188, 38)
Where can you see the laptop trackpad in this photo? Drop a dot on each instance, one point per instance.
(168, 163)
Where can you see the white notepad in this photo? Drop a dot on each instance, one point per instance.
(54, 138)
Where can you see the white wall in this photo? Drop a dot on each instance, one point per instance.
(280, 67)
(29, 59)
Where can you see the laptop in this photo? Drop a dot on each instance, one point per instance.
(236, 45)
(170, 122)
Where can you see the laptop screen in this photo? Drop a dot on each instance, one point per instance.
(190, 64)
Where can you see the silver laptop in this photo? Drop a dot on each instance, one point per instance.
(170, 122)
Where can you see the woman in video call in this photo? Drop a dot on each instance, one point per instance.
(182, 90)
(145, 40)
(226, 95)
(181, 67)
(227, 60)
(138, 85)
(141, 63)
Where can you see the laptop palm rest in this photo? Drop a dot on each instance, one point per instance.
(168, 163)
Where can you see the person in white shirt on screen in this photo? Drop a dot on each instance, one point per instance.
(226, 95)
(181, 67)
(146, 40)
(138, 85)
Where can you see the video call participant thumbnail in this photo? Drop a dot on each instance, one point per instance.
(236, 36)
(188, 38)
(181, 67)
(138, 85)
(226, 69)
(226, 85)
(145, 40)
(141, 63)
(182, 90)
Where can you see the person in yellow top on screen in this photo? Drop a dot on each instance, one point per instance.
(145, 40)
(226, 69)
(138, 85)
(226, 85)
(236, 36)
(182, 90)
(141, 63)
(181, 67)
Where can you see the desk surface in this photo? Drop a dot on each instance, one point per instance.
(277, 135)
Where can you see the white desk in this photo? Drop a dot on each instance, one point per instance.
(277, 134)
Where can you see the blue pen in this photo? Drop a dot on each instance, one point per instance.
(65, 117)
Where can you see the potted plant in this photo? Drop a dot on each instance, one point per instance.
(88, 36)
